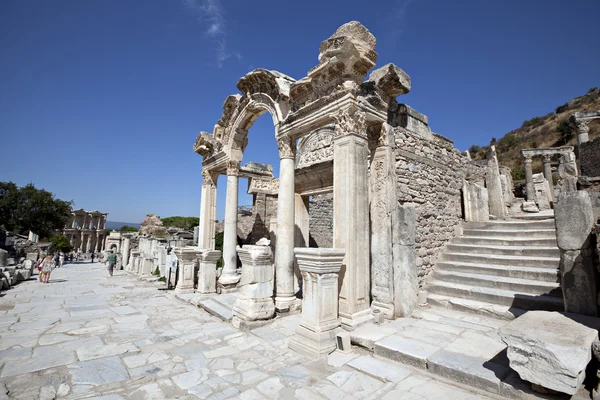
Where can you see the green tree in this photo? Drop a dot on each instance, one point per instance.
(127, 228)
(474, 149)
(566, 130)
(181, 222)
(518, 173)
(61, 243)
(29, 209)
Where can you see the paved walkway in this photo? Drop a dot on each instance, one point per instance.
(85, 335)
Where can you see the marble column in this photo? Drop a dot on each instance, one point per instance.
(285, 295)
(351, 217)
(125, 251)
(315, 336)
(548, 174)
(207, 270)
(582, 131)
(187, 261)
(529, 180)
(208, 212)
(229, 278)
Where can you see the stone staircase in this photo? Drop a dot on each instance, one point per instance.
(499, 269)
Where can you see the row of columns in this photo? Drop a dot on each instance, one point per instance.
(351, 223)
(530, 189)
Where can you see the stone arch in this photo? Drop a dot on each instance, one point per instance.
(263, 91)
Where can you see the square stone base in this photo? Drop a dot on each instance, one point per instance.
(247, 309)
(355, 320)
(314, 344)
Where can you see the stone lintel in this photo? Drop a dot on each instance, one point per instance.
(527, 153)
(586, 115)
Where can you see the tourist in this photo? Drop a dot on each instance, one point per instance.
(61, 259)
(57, 259)
(92, 256)
(47, 266)
(112, 261)
(71, 258)
(40, 265)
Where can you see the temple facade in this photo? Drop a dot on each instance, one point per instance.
(86, 230)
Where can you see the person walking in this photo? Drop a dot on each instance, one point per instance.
(47, 267)
(112, 261)
(57, 259)
(61, 259)
(92, 256)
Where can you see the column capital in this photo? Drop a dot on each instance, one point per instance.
(208, 178)
(582, 126)
(350, 120)
(287, 147)
(528, 160)
(547, 158)
(233, 168)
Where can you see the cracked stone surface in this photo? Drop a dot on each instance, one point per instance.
(87, 335)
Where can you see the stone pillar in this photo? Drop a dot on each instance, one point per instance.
(207, 270)
(285, 295)
(383, 206)
(187, 261)
(494, 185)
(529, 180)
(406, 284)
(351, 217)
(548, 174)
(208, 212)
(255, 300)
(229, 278)
(315, 336)
(301, 233)
(125, 251)
(574, 219)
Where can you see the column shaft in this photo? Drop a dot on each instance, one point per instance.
(284, 254)
(206, 231)
(548, 175)
(529, 180)
(229, 275)
(351, 226)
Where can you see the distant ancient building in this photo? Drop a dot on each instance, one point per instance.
(86, 230)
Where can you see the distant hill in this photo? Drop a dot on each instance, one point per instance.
(117, 225)
(550, 130)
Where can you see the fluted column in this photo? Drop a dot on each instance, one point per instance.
(548, 174)
(529, 180)
(229, 277)
(285, 295)
(208, 211)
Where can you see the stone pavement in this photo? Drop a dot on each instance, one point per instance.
(85, 335)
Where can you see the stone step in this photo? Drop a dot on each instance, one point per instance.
(505, 283)
(503, 225)
(511, 233)
(529, 251)
(217, 309)
(509, 271)
(521, 261)
(504, 241)
(474, 307)
(497, 296)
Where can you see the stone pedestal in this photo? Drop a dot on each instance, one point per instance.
(320, 323)
(147, 264)
(574, 218)
(207, 270)
(187, 261)
(255, 300)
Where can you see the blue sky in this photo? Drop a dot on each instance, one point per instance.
(101, 101)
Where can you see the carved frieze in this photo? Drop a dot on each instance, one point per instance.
(206, 145)
(315, 148)
(269, 186)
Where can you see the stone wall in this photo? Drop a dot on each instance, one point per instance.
(430, 174)
(589, 158)
(320, 222)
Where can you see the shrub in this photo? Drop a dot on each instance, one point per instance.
(156, 272)
(518, 173)
(566, 130)
(474, 149)
(127, 228)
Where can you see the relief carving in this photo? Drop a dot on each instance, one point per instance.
(287, 147)
(233, 168)
(315, 148)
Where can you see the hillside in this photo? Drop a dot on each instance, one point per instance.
(550, 130)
